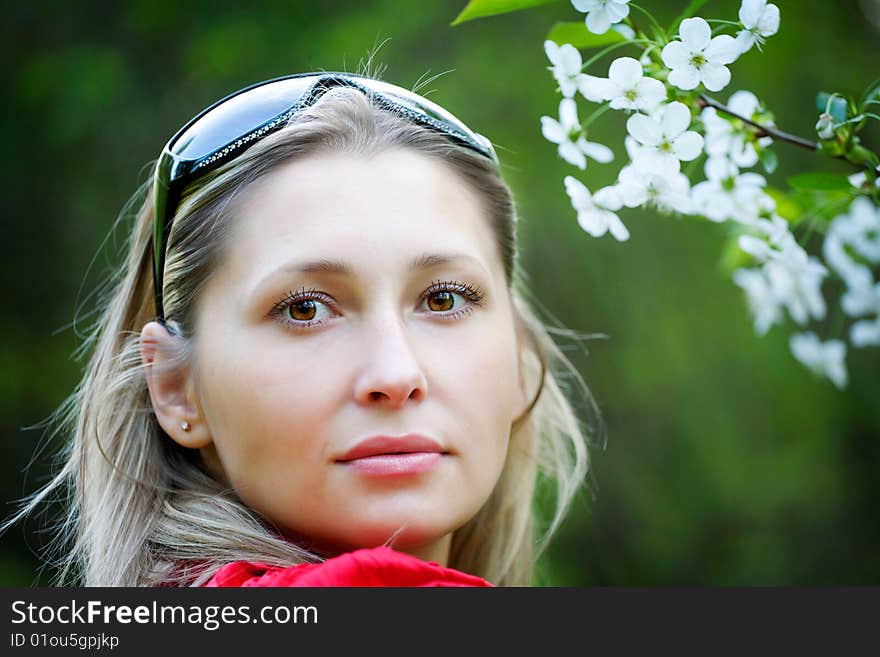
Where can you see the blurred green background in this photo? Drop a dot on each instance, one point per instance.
(727, 463)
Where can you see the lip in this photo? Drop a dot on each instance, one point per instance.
(391, 446)
(393, 455)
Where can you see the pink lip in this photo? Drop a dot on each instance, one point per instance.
(389, 455)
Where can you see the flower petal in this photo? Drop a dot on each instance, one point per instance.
(675, 119)
(608, 198)
(644, 129)
(586, 5)
(625, 72)
(750, 12)
(865, 333)
(685, 78)
(715, 78)
(755, 247)
(743, 102)
(595, 89)
(598, 22)
(688, 146)
(551, 130)
(570, 59)
(722, 50)
(616, 11)
(591, 222)
(675, 54)
(572, 154)
(578, 192)
(695, 33)
(768, 25)
(568, 117)
(751, 179)
(650, 93)
(551, 49)
(616, 227)
(719, 168)
(745, 40)
(598, 152)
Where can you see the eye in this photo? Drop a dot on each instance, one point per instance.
(451, 299)
(303, 309)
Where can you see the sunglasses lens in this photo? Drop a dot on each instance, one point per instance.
(236, 116)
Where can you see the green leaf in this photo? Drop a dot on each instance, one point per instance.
(577, 34)
(482, 8)
(769, 160)
(836, 107)
(689, 11)
(819, 182)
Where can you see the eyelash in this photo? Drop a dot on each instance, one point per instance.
(472, 293)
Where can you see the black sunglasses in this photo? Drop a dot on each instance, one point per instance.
(231, 125)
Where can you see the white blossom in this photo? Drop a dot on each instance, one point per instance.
(798, 284)
(627, 87)
(824, 358)
(566, 70)
(568, 134)
(567, 64)
(866, 332)
(795, 278)
(852, 235)
(728, 138)
(602, 14)
(642, 183)
(595, 212)
(698, 57)
(728, 194)
(760, 21)
(667, 134)
(775, 229)
(765, 306)
(860, 228)
(862, 297)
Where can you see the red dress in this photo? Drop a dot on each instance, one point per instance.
(380, 566)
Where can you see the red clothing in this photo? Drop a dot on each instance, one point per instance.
(379, 566)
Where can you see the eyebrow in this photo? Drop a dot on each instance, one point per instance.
(341, 268)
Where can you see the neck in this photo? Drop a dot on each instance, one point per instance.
(437, 551)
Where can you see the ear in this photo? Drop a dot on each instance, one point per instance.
(171, 388)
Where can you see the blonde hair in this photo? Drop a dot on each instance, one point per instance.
(140, 510)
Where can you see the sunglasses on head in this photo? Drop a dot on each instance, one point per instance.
(231, 125)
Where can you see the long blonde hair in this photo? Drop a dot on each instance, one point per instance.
(139, 510)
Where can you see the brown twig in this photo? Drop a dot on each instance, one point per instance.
(762, 130)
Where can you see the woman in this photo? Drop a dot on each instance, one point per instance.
(319, 346)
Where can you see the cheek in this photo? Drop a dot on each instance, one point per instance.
(487, 368)
(264, 405)
(485, 385)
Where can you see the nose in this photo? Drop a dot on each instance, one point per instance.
(390, 372)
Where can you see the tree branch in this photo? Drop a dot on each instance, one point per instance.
(762, 130)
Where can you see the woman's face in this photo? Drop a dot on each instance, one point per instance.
(360, 297)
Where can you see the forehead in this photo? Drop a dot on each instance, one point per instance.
(374, 212)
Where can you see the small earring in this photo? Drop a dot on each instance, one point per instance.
(185, 425)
